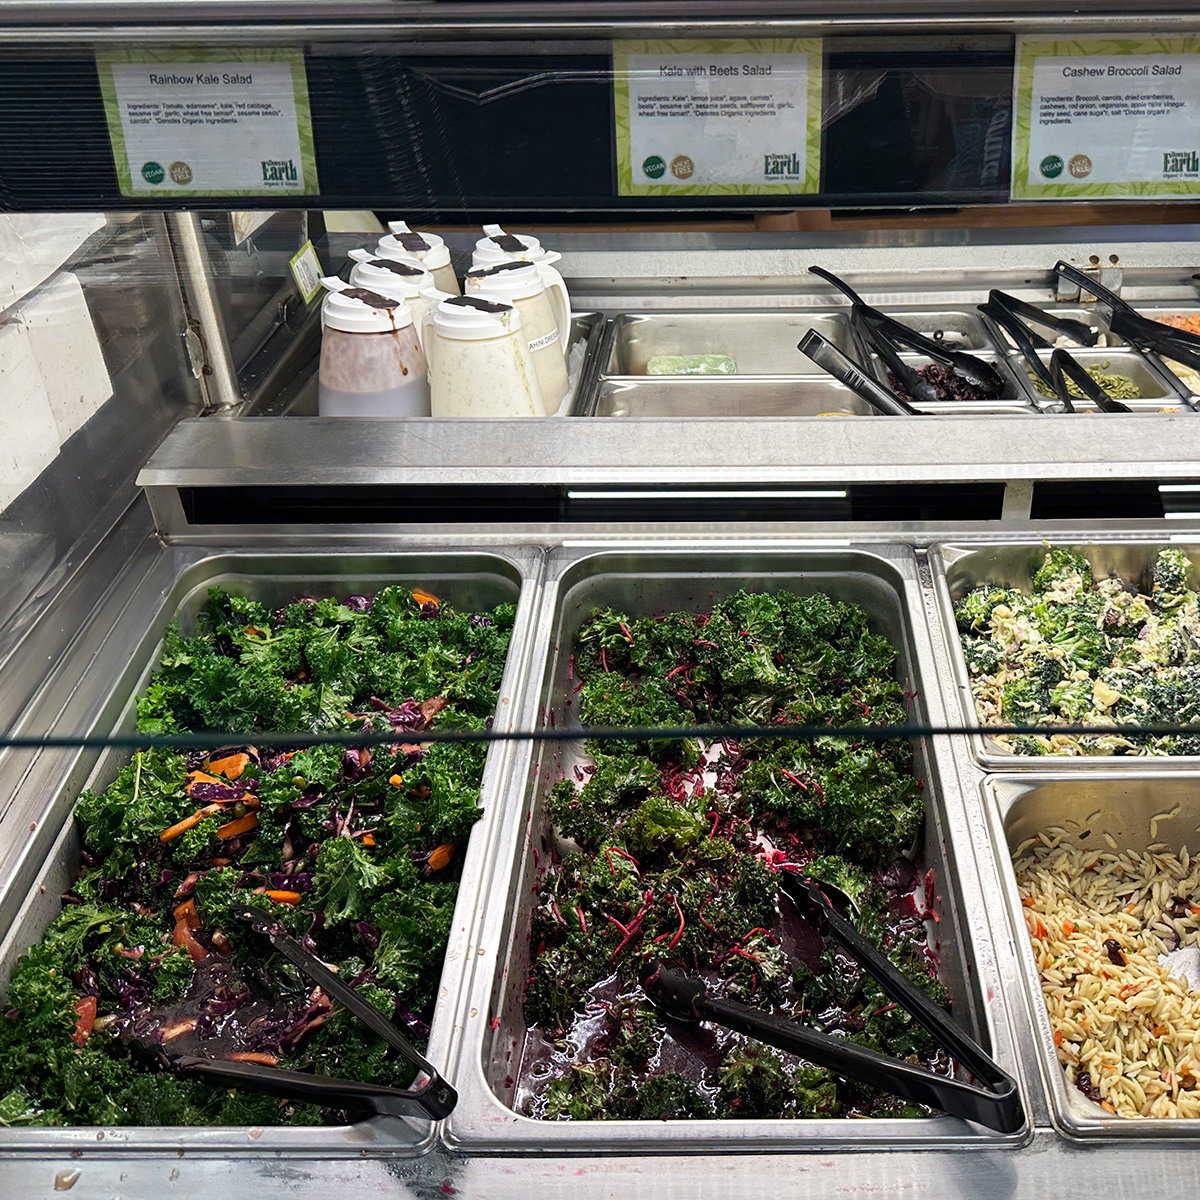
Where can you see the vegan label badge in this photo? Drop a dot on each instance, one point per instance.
(229, 121)
(1107, 117)
(717, 117)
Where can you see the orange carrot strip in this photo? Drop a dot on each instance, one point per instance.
(241, 825)
(183, 937)
(1068, 926)
(254, 1056)
(424, 597)
(441, 856)
(203, 777)
(284, 897)
(231, 766)
(1058, 1037)
(85, 1010)
(368, 839)
(186, 912)
(189, 822)
(396, 781)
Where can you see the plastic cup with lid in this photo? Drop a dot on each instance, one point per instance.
(479, 362)
(427, 249)
(538, 293)
(372, 364)
(498, 246)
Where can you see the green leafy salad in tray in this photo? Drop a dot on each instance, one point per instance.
(668, 852)
(356, 853)
(1075, 650)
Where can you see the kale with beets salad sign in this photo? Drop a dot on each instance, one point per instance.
(355, 852)
(672, 853)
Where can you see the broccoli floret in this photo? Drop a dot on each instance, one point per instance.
(1063, 575)
(1073, 698)
(974, 611)
(1171, 572)
(982, 654)
(1025, 701)
(1029, 745)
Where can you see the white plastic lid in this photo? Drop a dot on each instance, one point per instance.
(505, 281)
(474, 318)
(360, 310)
(389, 276)
(500, 247)
(403, 243)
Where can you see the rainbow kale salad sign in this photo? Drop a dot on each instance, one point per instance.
(211, 121)
(1117, 117)
(718, 117)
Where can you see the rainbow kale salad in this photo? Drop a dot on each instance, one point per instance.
(1075, 650)
(670, 853)
(355, 852)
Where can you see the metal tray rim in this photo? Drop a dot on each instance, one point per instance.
(516, 1133)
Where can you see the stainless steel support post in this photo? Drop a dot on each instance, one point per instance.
(208, 341)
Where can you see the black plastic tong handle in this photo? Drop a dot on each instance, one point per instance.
(1064, 367)
(828, 357)
(1027, 343)
(315, 1089)
(1124, 319)
(687, 999)
(998, 1105)
(897, 987)
(1077, 331)
(435, 1098)
(884, 333)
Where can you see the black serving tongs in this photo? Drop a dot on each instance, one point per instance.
(828, 357)
(1027, 341)
(433, 1098)
(883, 334)
(1064, 367)
(1126, 322)
(995, 1102)
(1068, 327)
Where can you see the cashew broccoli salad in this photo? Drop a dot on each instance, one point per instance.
(1075, 650)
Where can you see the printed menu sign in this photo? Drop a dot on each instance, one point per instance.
(1113, 117)
(209, 122)
(717, 117)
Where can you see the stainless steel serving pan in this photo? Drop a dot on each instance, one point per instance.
(958, 567)
(727, 396)
(1120, 805)
(493, 1027)
(29, 900)
(760, 342)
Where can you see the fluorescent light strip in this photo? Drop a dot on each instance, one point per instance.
(748, 494)
(1182, 516)
(1179, 487)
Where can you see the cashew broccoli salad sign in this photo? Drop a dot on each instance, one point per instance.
(209, 122)
(1110, 117)
(717, 117)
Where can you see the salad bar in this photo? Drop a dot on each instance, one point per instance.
(707, 959)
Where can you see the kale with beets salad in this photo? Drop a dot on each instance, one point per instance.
(356, 852)
(1074, 650)
(670, 853)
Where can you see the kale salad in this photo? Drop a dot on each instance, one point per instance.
(357, 853)
(1076, 650)
(666, 853)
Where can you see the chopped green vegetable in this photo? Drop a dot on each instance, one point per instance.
(353, 851)
(676, 847)
(1074, 650)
